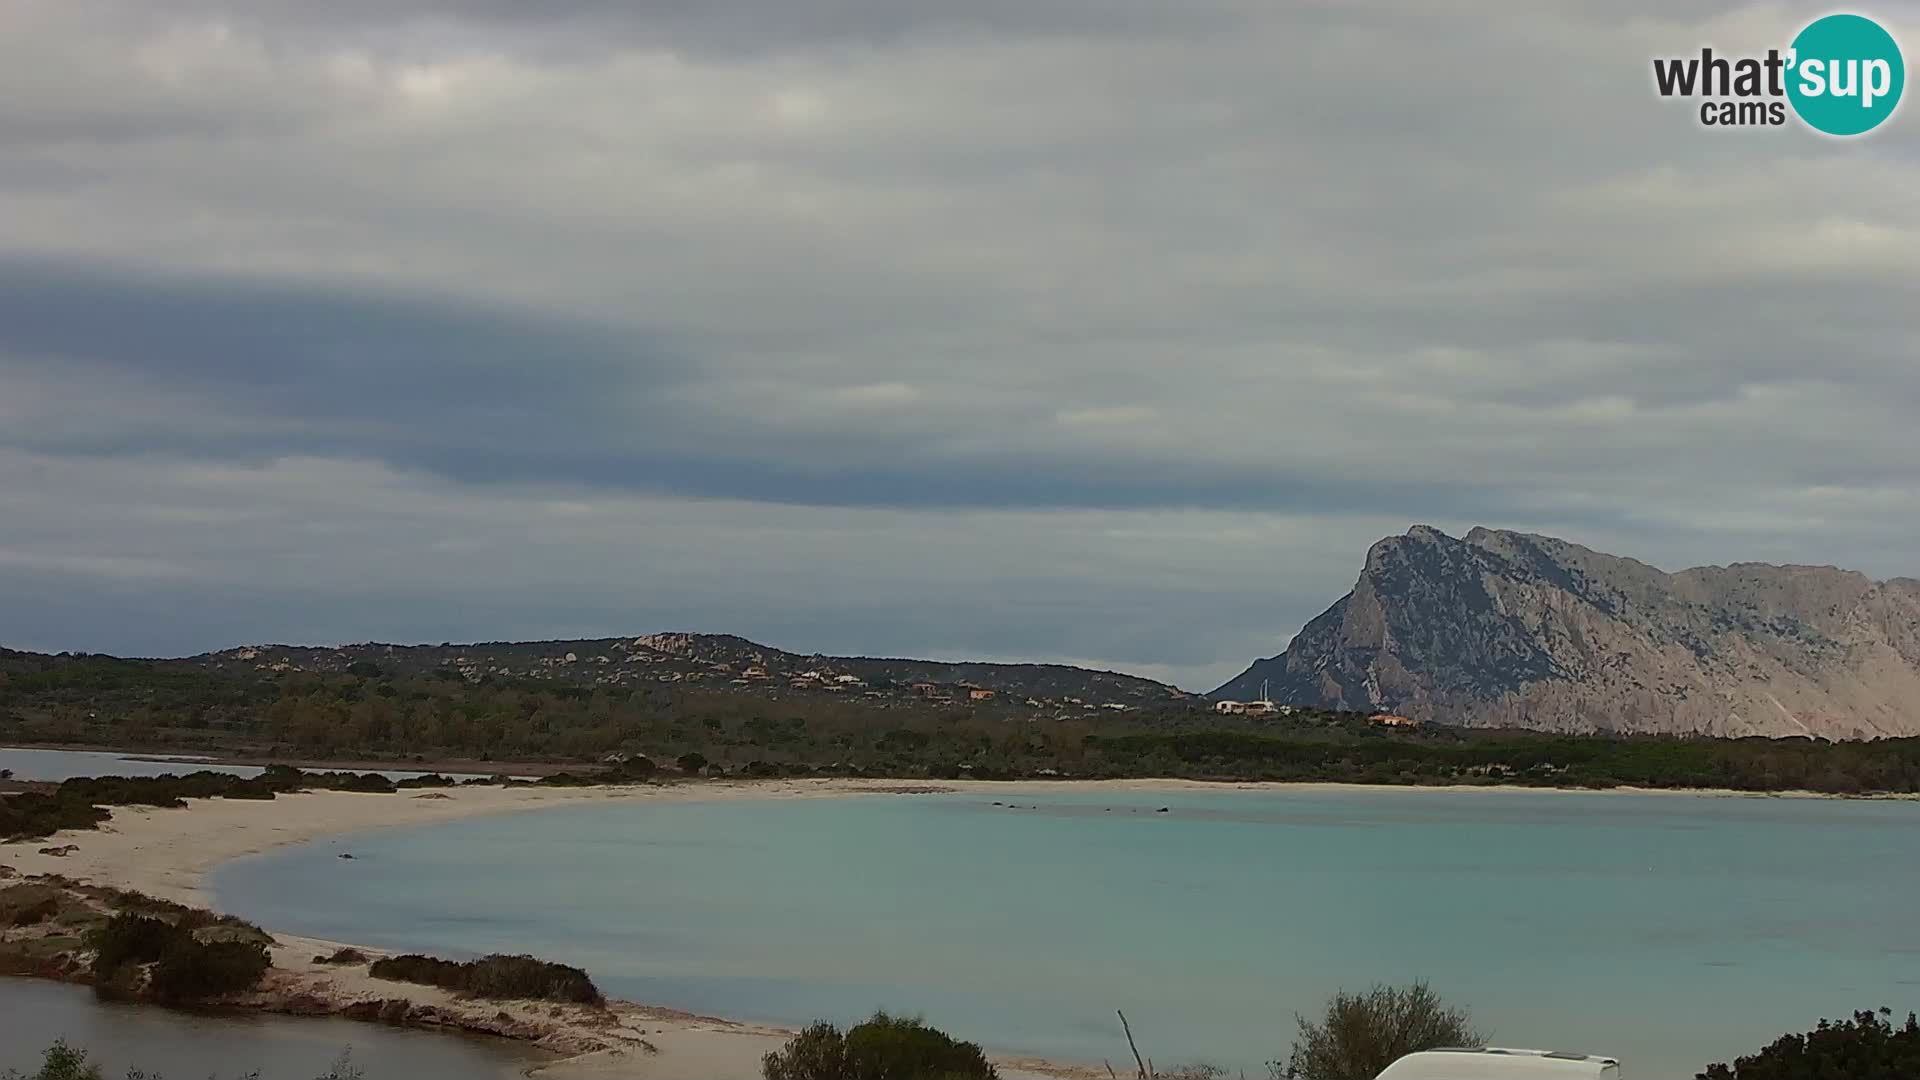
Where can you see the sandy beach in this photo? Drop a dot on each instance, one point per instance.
(167, 853)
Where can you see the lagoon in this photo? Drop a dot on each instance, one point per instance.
(1667, 930)
(189, 1046)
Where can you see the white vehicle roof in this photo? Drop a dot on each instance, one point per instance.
(1501, 1063)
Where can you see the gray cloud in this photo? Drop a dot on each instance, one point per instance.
(1258, 282)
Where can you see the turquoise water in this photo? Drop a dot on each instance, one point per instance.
(1669, 931)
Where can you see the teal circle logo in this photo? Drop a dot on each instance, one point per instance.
(1845, 75)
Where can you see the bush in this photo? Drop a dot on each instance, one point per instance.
(691, 762)
(61, 1062)
(25, 905)
(1361, 1034)
(189, 969)
(498, 977)
(883, 1048)
(128, 938)
(185, 968)
(1867, 1047)
(64, 1062)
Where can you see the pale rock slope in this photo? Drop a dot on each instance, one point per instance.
(1516, 630)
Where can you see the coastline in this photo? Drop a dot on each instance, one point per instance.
(168, 853)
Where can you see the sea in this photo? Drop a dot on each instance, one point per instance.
(1669, 931)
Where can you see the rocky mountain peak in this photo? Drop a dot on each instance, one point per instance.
(1516, 629)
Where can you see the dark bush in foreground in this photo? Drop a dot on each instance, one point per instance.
(64, 1062)
(1361, 1034)
(231, 958)
(346, 955)
(884, 1048)
(129, 938)
(1867, 1047)
(190, 969)
(497, 977)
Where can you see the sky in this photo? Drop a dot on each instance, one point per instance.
(1110, 332)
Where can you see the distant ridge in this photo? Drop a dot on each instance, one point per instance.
(716, 659)
(1512, 629)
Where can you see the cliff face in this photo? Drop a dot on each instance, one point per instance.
(1511, 629)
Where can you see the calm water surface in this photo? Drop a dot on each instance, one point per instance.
(188, 1046)
(1670, 931)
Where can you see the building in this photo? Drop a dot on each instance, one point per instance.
(1229, 708)
(925, 689)
(978, 694)
(1395, 720)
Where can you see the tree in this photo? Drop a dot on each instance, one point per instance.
(883, 1048)
(1867, 1047)
(691, 762)
(1361, 1034)
(62, 1062)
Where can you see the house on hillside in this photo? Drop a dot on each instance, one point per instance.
(978, 694)
(1394, 720)
(1230, 708)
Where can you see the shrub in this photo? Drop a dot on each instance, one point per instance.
(64, 1062)
(346, 955)
(499, 977)
(189, 969)
(1361, 1034)
(128, 938)
(1867, 1047)
(883, 1048)
(231, 958)
(61, 1062)
(691, 762)
(25, 905)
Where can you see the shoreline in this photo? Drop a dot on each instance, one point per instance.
(169, 853)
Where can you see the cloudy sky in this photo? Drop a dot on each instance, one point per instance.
(1106, 331)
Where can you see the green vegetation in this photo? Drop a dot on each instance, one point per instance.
(64, 1062)
(497, 977)
(187, 963)
(883, 1048)
(380, 712)
(1361, 1034)
(78, 803)
(28, 904)
(1867, 1047)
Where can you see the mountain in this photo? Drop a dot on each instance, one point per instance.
(717, 660)
(1514, 630)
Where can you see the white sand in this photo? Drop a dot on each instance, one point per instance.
(168, 852)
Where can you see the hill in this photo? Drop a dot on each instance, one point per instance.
(712, 660)
(1507, 629)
